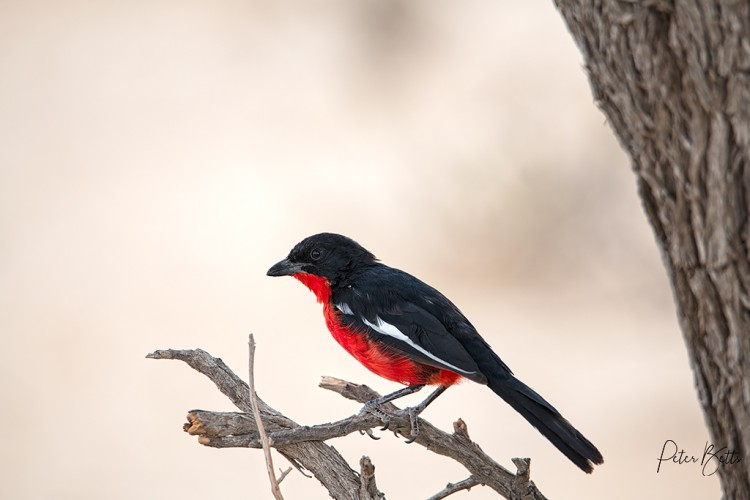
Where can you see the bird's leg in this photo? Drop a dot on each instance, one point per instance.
(373, 406)
(414, 411)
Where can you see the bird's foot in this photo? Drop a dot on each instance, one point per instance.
(373, 407)
(413, 413)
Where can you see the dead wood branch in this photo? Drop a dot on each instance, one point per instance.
(304, 445)
(324, 462)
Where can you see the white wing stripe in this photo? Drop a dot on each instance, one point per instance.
(344, 308)
(381, 326)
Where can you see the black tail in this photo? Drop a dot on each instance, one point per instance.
(547, 420)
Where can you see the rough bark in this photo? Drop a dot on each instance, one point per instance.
(304, 446)
(673, 79)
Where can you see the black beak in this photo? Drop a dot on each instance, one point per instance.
(285, 268)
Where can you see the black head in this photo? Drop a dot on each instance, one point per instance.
(327, 255)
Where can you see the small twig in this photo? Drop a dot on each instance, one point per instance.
(259, 422)
(284, 474)
(452, 488)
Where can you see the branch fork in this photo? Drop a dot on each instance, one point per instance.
(305, 447)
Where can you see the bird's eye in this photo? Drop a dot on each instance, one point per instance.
(316, 253)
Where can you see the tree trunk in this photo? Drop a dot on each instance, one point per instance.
(673, 79)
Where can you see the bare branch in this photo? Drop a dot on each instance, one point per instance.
(324, 462)
(233, 430)
(259, 421)
(223, 430)
(452, 488)
(457, 446)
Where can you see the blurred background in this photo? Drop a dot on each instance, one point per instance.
(157, 157)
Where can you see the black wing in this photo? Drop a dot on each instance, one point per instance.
(378, 307)
(433, 323)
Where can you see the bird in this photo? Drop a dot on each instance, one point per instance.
(406, 331)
